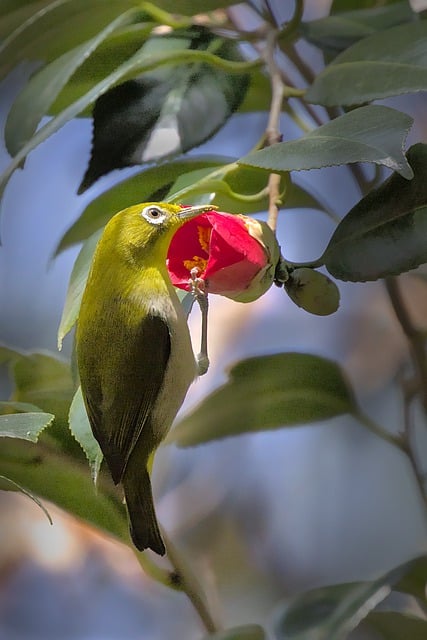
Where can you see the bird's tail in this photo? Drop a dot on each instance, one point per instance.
(143, 524)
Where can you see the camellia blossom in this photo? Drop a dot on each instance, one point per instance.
(233, 255)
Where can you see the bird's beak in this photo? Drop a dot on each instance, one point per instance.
(192, 212)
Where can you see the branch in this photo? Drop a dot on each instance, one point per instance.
(401, 442)
(408, 438)
(273, 134)
(187, 582)
(415, 337)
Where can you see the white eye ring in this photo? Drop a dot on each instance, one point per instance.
(153, 214)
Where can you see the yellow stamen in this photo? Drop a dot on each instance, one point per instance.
(198, 262)
(204, 236)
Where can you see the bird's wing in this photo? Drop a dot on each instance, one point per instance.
(119, 410)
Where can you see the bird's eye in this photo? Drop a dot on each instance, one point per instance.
(153, 214)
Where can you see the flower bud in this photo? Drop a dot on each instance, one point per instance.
(234, 255)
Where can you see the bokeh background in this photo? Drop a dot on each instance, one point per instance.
(262, 517)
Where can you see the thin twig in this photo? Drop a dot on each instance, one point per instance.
(188, 583)
(414, 336)
(273, 134)
(380, 432)
(401, 442)
(409, 440)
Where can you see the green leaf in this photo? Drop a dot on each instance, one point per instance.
(7, 406)
(369, 134)
(255, 97)
(348, 5)
(414, 581)
(313, 291)
(245, 632)
(339, 31)
(76, 286)
(330, 613)
(168, 111)
(17, 487)
(187, 7)
(268, 392)
(34, 100)
(66, 483)
(81, 430)
(138, 63)
(149, 185)
(386, 232)
(236, 189)
(44, 380)
(391, 625)
(56, 27)
(111, 53)
(372, 69)
(12, 14)
(27, 426)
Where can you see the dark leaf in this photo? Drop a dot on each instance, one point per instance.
(391, 625)
(111, 53)
(56, 27)
(268, 392)
(330, 613)
(137, 63)
(43, 87)
(386, 232)
(414, 581)
(368, 134)
(166, 112)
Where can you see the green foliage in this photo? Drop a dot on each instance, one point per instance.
(393, 625)
(80, 428)
(246, 632)
(157, 82)
(384, 234)
(269, 392)
(372, 69)
(26, 426)
(340, 30)
(331, 612)
(163, 113)
(369, 134)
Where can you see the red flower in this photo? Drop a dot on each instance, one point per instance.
(235, 255)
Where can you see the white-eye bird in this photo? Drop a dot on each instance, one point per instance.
(134, 351)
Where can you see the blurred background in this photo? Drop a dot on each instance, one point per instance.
(262, 517)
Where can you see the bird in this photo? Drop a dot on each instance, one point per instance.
(134, 353)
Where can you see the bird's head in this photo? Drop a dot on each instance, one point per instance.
(149, 227)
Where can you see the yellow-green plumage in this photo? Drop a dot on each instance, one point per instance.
(134, 351)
